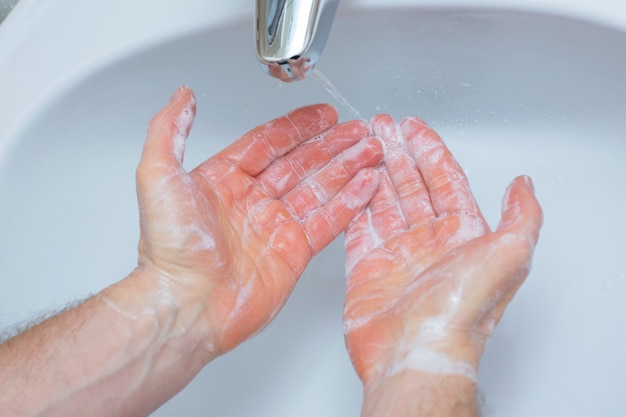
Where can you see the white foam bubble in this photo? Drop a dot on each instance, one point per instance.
(183, 124)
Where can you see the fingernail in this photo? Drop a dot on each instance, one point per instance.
(529, 182)
(178, 93)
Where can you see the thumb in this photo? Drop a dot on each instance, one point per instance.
(511, 250)
(516, 236)
(164, 147)
(521, 212)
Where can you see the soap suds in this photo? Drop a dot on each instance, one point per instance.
(426, 360)
(183, 124)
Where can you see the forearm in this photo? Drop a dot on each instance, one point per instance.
(414, 393)
(123, 352)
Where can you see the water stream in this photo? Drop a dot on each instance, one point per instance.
(330, 87)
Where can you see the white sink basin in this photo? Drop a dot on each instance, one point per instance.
(511, 92)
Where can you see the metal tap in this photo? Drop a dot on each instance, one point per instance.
(291, 35)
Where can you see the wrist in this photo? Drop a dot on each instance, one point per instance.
(416, 393)
(429, 352)
(169, 317)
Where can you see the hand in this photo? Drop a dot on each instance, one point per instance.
(231, 237)
(220, 250)
(427, 280)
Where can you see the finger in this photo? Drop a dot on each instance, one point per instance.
(287, 172)
(360, 239)
(381, 220)
(319, 189)
(387, 218)
(325, 224)
(164, 147)
(257, 149)
(447, 184)
(410, 188)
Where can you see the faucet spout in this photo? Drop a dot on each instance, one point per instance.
(291, 35)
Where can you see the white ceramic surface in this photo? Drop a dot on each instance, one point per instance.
(538, 89)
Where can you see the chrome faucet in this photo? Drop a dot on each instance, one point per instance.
(291, 34)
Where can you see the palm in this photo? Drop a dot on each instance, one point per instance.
(260, 251)
(394, 266)
(421, 253)
(238, 230)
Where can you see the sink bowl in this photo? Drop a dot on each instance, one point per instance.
(512, 90)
